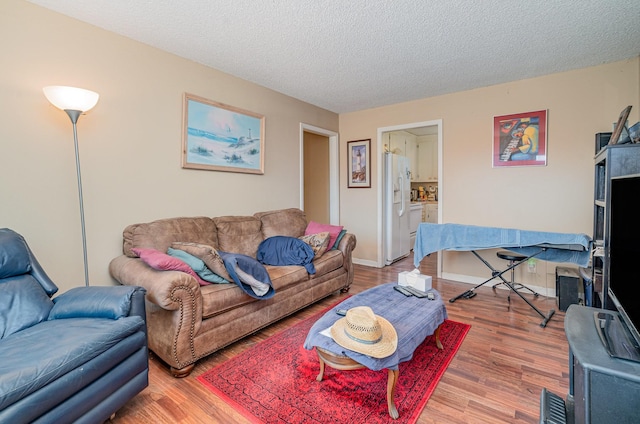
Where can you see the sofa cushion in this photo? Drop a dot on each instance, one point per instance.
(23, 303)
(283, 222)
(285, 276)
(161, 233)
(318, 242)
(208, 254)
(55, 348)
(238, 234)
(330, 261)
(219, 298)
(92, 302)
(163, 262)
(197, 265)
(316, 227)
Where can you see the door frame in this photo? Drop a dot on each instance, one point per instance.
(381, 196)
(334, 169)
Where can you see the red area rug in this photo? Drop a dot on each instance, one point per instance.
(275, 381)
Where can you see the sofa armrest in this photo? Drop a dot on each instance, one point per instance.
(173, 308)
(98, 302)
(167, 289)
(346, 246)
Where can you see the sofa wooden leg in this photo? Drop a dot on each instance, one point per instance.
(182, 372)
(345, 289)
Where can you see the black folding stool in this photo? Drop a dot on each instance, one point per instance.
(514, 260)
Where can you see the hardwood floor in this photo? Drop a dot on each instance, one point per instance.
(496, 376)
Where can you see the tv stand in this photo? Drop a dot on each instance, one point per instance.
(602, 389)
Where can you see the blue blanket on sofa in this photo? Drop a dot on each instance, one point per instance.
(283, 250)
(249, 274)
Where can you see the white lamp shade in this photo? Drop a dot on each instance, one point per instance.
(71, 98)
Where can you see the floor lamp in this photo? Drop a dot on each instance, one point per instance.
(74, 101)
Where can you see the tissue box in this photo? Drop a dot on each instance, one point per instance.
(418, 281)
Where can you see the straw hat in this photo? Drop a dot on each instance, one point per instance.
(364, 332)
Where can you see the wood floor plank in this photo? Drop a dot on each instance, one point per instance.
(496, 377)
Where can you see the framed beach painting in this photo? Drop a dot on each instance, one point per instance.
(219, 137)
(520, 139)
(359, 170)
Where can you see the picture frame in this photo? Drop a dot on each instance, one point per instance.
(219, 137)
(520, 139)
(620, 125)
(359, 164)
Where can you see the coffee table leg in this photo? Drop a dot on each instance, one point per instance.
(391, 391)
(438, 342)
(321, 374)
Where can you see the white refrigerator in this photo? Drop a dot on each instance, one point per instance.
(397, 204)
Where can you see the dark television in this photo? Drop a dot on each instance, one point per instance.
(622, 336)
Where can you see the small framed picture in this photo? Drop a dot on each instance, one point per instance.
(520, 139)
(218, 137)
(359, 160)
(620, 126)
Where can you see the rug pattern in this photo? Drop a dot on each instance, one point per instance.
(275, 381)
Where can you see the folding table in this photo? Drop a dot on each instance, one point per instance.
(548, 246)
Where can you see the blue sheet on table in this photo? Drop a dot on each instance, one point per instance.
(559, 247)
(414, 319)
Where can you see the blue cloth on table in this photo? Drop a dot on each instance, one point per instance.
(414, 320)
(283, 250)
(561, 247)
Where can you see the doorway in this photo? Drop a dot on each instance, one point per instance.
(417, 130)
(319, 174)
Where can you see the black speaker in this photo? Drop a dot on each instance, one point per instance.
(602, 139)
(569, 288)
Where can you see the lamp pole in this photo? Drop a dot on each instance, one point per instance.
(74, 115)
(75, 101)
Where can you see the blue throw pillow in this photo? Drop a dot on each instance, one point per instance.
(197, 265)
(335, 245)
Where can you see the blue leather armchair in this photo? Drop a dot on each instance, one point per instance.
(75, 358)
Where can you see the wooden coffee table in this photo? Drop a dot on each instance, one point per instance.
(414, 319)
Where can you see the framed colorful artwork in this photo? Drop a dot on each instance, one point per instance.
(520, 139)
(218, 137)
(359, 161)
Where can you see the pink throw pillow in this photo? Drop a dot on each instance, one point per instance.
(315, 228)
(163, 262)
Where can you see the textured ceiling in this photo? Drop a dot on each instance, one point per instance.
(349, 55)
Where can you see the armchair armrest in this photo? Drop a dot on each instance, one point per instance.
(99, 302)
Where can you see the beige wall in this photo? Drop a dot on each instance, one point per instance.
(129, 144)
(557, 197)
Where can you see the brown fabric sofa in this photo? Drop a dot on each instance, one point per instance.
(187, 321)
